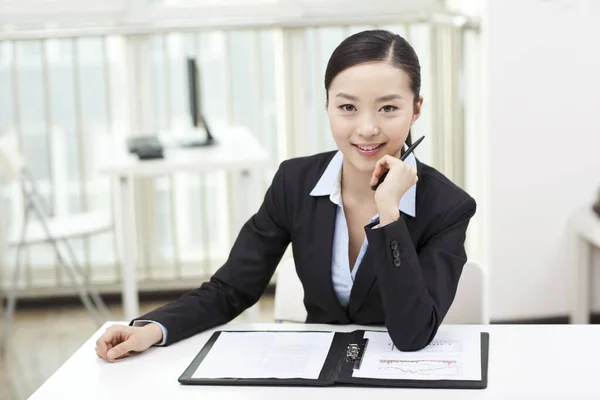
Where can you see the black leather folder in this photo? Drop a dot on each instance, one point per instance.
(344, 357)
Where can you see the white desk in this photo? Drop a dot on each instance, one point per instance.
(525, 362)
(585, 236)
(237, 150)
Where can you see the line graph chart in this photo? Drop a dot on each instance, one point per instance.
(420, 367)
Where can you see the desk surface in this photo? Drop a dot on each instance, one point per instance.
(236, 149)
(526, 361)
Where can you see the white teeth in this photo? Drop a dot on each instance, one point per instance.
(367, 148)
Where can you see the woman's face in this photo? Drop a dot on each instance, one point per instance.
(371, 109)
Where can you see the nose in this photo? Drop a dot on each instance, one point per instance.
(367, 126)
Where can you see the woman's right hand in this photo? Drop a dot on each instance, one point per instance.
(119, 341)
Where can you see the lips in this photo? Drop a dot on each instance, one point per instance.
(368, 149)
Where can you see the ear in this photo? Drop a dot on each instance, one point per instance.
(417, 109)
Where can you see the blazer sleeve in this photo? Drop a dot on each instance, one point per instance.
(240, 282)
(417, 288)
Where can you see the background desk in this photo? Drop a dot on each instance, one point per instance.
(237, 150)
(526, 362)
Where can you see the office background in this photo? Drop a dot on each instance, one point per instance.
(70, 93)
(510, 114)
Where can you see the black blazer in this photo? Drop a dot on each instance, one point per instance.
(407, 279)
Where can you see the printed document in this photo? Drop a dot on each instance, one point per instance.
(452, 355)
(266, 355)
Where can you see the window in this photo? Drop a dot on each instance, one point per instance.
(68, 95)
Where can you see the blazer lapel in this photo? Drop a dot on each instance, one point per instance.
(324, 219)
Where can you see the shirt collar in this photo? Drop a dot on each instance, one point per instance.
(330, 184)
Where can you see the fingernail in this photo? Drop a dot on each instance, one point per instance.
(111, 354)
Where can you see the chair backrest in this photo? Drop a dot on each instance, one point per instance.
(11, 161)
(289, 294)
(470, 304)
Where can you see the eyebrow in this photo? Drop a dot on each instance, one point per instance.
(382, 98)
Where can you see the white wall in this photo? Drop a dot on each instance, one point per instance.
(473, 8)
(542, 81)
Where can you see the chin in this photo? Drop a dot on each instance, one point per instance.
(363, 165)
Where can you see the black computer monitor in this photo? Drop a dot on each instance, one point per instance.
(195, 107)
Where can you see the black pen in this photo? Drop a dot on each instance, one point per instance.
(402, 158)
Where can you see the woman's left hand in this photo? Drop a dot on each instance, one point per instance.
(399, 179)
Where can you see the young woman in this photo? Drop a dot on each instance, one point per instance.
(391, 256)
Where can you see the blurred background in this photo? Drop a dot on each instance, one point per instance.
(510, 115)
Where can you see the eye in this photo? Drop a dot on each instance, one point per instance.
(347, 107)
(389, 108)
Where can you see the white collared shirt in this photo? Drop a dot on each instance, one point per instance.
(330, 185)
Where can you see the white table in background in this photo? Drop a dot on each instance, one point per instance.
(236, 150)
(585, 236)
(525, 362)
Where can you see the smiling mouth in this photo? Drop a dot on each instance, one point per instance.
(369, 147)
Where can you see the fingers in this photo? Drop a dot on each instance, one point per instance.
(404, 175)
(380, 168)
(126, 355)
(102, 345)
(112, 336)
(382, 165)
(122, 350)
(377, 172)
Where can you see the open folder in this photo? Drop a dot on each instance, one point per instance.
(454, 359)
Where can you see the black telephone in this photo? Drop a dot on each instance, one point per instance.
(145, 147)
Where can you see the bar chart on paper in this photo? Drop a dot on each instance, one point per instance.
(450, 356)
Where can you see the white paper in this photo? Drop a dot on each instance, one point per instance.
(451, 355)
(266, 355)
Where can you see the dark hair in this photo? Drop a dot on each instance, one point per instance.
(375, 46)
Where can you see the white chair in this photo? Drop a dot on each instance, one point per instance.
(55, 231)
(469, 306)
(289, 294)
